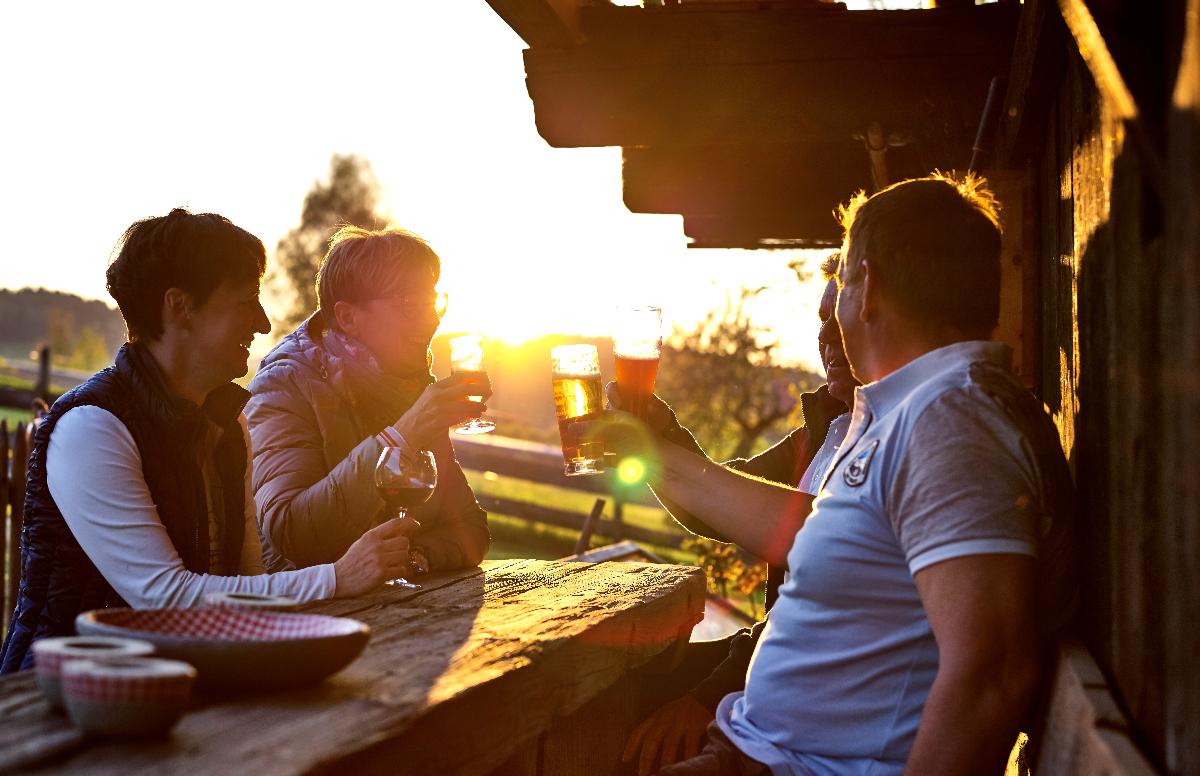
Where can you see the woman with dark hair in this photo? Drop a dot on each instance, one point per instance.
(352, 379)
(138, 485)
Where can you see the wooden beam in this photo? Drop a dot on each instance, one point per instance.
(769, 75)
(1038, 57)
(541, 23)
(743, 195)
(1111, 85)
(769, 231)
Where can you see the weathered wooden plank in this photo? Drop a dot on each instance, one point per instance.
(457, 678)
(1177, 298)
(1108, 79)
(1112, 334)
(592, 739)
(1084, 732)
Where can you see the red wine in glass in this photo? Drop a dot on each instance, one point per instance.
(400, 499)
(405, 480)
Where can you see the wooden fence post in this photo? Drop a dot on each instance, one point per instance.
(618, 513)
(4, 498)
(16, 489)
(42, 389)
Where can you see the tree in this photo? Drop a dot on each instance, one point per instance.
(725, 565)
(60, 326)
(349, 196)
(89, 352)
(723, 383)
(718, 560)
(751, 576)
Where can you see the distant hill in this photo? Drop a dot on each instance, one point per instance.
(82, 332)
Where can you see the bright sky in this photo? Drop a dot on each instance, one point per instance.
(114, 112)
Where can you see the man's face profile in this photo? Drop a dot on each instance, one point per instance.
(848, 312)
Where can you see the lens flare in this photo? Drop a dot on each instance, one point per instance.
(631, 471)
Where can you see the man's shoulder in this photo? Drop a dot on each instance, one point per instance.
(983, 417)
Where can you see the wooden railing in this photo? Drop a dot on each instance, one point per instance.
(14, 458)
(543, 464)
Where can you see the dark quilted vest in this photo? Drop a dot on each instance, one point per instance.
(58, 581)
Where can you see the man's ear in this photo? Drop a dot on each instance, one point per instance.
(346, 316)
(177, 309)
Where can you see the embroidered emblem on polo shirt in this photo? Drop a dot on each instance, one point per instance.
(856, 472)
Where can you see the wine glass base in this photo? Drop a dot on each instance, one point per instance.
(403, 584)
(583, 466)
(476, 426)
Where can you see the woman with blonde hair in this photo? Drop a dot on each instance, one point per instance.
(352, 379)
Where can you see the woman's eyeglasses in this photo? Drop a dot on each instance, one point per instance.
(415, 305)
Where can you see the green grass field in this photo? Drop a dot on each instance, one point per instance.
(14, 416)
(12, 381)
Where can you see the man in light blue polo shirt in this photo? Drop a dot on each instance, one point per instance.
(928, 571)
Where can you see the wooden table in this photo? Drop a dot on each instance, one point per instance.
(499, 668)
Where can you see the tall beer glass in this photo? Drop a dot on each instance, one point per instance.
(578, 395)
(637, 345)
(466, 358)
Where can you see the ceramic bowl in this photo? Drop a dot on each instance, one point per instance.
(262, 603)
(49, 655)
(235, 649)
(136, 696)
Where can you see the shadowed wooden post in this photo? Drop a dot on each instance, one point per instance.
(4, 491)
(16, 489)
(42, 389)
(589, 525)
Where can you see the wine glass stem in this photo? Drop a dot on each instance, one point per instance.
(401, 582)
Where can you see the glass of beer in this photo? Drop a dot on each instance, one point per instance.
(466, 358)
(578, 396)
(637, 345)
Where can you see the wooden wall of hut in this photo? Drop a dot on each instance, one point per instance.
(1117, 252)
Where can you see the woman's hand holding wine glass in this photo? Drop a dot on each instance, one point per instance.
(377, 556)
(405, 479)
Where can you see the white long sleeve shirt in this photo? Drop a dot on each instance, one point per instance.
(94, 472)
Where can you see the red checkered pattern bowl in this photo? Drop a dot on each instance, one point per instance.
(49, 655)
(130, 697)
(234, 648)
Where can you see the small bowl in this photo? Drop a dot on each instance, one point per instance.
(136, 696)
(239, 648)
(49, 655)
(258, 603)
